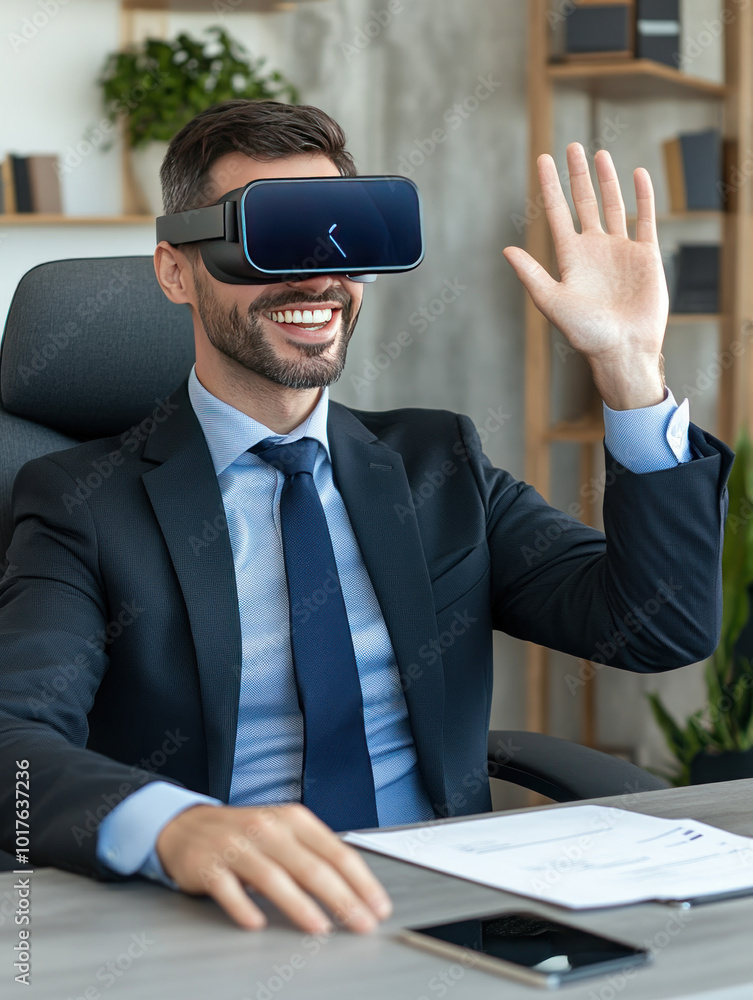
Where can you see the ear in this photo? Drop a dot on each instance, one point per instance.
(174, 273)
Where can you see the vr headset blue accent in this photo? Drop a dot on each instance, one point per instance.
(292, 228)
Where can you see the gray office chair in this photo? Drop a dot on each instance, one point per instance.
(89, 345)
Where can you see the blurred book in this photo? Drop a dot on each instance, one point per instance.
(30, 184)
(9, 191)
(697, 278)
(657, 31)
(44, 181)
(21, 182)
(600, 28)
(694, 171)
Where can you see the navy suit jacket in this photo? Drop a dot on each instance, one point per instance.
(120, 641)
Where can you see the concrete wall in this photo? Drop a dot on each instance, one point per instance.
(392, 86)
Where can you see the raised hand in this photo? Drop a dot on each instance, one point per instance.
(611, 301)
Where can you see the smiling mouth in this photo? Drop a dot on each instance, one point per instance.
(307, 319)
(318, 325)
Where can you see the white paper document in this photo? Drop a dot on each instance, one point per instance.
(579, 856)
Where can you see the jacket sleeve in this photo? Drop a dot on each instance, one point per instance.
(53, 619)
(646, 594)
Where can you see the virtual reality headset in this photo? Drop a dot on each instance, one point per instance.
(292, 228)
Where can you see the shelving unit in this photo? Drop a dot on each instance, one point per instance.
(137, 18)
(681, 217)
(202, 7)
(682, 319)
(632, 80)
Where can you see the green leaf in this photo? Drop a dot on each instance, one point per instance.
(162, 84)
(726, 722)
(737, 553)
(676, 738)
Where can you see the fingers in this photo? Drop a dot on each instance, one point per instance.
(274, 882)
(287, 867)
(539, 284)
(557, 209)
(581, 186)
(585, 200)
(227, 890)
(347, 861)
(307, 876)
(285, 853)
(645, 231)
(611, 195)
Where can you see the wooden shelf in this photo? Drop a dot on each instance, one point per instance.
(703, 216)
(681, 319)
(585, 430)
(638, 80)
(201, 6)
(633, 78)
(41, 219)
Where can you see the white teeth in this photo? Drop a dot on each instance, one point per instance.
(308, 317)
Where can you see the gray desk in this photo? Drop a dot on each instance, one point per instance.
(184, 947)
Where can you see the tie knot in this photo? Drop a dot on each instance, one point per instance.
(290, 458)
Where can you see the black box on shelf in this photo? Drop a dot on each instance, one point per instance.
(593, 29)
(658, 10)
(697, 278)
(21, 185)
(694, 171)
(657, 34)
(702, 155)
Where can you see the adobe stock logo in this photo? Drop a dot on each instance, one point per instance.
(31, 26)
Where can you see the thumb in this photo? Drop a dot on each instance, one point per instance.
(539, 284)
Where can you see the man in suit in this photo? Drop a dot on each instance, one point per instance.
(191, 712)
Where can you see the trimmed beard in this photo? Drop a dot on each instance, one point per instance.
(243, 339)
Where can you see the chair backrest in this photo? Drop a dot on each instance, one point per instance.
(89, 346)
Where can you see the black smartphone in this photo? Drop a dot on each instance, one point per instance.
(528, 947)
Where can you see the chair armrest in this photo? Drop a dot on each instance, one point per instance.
(563, 771)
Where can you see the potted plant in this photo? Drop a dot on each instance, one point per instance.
(160, 85)
(716, 742)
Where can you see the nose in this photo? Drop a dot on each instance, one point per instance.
(318, 283)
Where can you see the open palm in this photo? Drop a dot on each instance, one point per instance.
(611, 301)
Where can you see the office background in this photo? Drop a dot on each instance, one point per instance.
(390, 95)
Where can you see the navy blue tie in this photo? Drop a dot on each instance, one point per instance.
(337, 783)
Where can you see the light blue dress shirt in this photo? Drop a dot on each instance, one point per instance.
(269, 744)
(651, 438)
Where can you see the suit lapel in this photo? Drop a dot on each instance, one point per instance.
(374, 486)
(186, 499)
(185, 495)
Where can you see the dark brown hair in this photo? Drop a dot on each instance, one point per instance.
(262, 130)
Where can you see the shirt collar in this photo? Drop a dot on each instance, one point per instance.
(230, 433)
